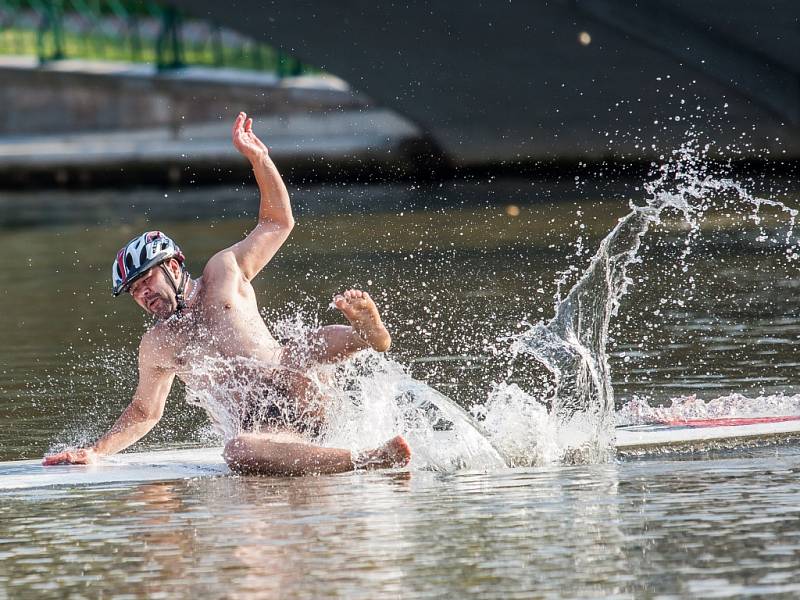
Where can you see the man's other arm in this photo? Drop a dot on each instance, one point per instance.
(141, 415)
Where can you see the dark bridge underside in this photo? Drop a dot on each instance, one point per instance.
(496, 81)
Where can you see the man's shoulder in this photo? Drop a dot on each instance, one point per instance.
(223, 261)
(221, 269)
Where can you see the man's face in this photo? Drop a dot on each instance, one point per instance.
(154, 293)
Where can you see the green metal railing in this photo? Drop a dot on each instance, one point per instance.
(131, 30)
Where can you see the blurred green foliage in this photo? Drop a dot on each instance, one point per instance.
(131, 31)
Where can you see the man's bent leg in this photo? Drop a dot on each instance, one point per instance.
(360, 309)
(337, 342)
(286, 454)
(331, 343)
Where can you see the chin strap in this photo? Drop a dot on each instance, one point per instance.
(180, 288)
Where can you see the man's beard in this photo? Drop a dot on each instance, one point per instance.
(161, 308)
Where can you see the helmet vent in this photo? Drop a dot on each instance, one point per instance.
(128, 262)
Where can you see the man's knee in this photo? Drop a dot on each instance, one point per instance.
(236, 452)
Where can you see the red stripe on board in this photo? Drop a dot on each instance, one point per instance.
(731, 422)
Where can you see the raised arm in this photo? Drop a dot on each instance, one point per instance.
(141, 415)
(275, 220)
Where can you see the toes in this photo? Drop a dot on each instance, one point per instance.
(340, 302)
(355, 294)
(352, 296)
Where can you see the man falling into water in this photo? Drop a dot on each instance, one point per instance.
(216, 317)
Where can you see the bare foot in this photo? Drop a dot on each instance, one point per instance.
(394, 453)
(363, 315)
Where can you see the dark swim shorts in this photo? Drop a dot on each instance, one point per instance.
(276, 410)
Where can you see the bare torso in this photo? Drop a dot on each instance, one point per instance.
(219, 346)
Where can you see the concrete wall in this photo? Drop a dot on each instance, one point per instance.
(85, 125)
(66, 98)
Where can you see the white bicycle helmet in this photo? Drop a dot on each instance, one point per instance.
(141, 254)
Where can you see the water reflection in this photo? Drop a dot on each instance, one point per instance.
(734, 523)
(725, 526)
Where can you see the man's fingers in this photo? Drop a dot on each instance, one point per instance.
(237, 123)
(244, 140)
(54, 459)
(67, 457)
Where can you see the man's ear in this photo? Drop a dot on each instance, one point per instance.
(175, 267)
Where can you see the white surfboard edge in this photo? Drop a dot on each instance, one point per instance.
(190, 463)
(647, 439)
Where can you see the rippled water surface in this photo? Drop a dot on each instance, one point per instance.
(453, 284)
(723, 527)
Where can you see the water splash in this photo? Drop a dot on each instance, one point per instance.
(371, 398)
(638, 411)
(573, 344)
(374, 398)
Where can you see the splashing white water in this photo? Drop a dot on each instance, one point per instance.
(572, 345)
(369, 398)
(381, 400)
(687, 408)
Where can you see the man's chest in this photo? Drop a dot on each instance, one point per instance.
(222, 330)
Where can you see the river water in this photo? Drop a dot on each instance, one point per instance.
(454, 284)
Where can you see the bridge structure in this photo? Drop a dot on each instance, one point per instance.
(513, 82)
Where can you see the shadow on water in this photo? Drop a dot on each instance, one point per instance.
(111, 207)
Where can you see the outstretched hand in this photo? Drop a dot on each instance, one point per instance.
(81, 456)
(245, 141)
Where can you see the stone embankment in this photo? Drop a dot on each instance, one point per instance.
(85, 124)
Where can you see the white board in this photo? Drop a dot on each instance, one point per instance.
(166, 465)
(161, 465)
(703, 435)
